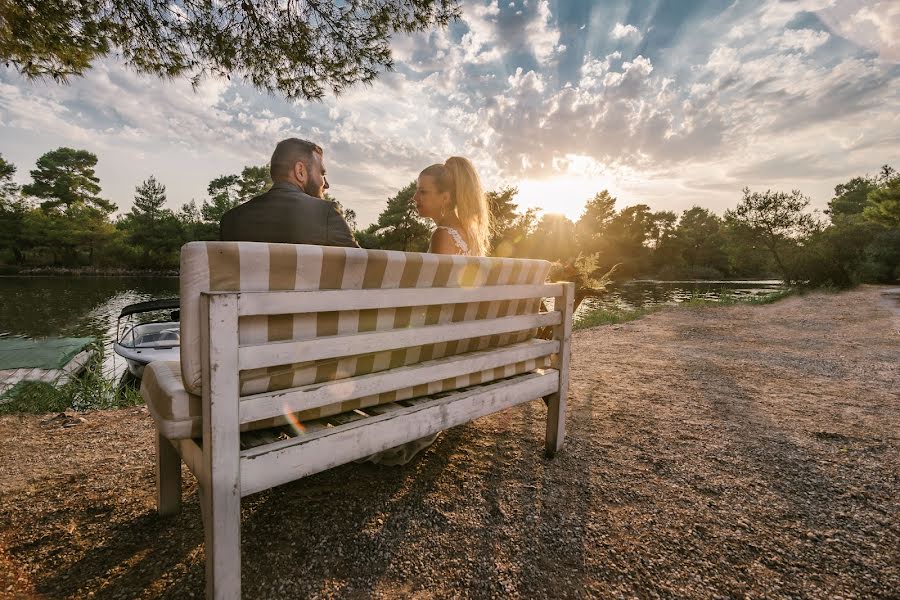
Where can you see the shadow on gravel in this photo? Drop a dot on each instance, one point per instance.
(341, 525)
(813, 505)
(133, 554)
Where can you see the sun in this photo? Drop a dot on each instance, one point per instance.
(564, 194)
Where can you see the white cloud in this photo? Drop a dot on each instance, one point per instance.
(806, 40)
(621, 31)
(480, 42)
(875, 26)
(541, 33)
(593, 70)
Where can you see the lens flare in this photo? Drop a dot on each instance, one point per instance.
(293, 421)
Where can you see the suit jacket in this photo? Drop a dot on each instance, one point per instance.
(285, 214)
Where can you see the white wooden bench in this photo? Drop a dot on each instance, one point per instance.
(385, 349)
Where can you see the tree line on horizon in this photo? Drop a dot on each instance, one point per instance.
(61, 220)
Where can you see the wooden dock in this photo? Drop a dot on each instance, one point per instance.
(34, 360)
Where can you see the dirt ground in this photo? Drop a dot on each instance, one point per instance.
(742, 451)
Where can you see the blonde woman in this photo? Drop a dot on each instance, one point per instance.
(450, 195)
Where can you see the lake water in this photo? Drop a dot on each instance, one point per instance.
(88, 306)
(76, 306)
(644, 293)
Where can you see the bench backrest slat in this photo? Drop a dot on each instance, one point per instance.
(260, 356)
(277, 303)
(321, 335)
(296, 400)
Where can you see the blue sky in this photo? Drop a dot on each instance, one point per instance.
(672, 103)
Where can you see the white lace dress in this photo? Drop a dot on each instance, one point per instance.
(400, 455)
(458, 239)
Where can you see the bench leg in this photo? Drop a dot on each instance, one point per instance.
(556, 403)
(222, 538)
(556, 424)
(168, 477)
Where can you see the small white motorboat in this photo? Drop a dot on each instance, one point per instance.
(142, 343)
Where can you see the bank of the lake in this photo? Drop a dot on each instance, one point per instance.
(741, 450)
(78, 305)
(38, 306)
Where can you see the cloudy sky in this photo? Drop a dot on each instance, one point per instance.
(672, 103)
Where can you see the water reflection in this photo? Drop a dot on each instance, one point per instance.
(645, 293)
(38, 307)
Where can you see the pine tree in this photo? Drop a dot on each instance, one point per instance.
(399, 226)
(227, 191)
(152, 229)
(65, 178)
(9, 190)
(503, 218)
(598, 213)
(149, 199)
(12, 213)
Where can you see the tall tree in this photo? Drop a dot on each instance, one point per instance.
(191, 221)
(299, 49)
(9, 190)
(699, 242)
(399, 226)
(553, 239)
(883, 202)
(227, 191)
(503, 218)
(849, 198)
(254, 181)
(65, 178)
(149, 199)
(775, 219)
(598, 212)
(625, 241)
(662, 228)
(77, 220)
(151, 229)
(223, 196)
(12, 212)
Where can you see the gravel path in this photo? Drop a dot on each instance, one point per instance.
(743, 451)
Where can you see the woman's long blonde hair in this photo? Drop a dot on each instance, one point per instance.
(458, 177)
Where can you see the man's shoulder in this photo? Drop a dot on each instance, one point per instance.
(290, 193)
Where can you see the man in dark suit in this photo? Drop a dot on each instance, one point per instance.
(294, 210)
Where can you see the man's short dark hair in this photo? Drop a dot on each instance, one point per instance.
(288, 153)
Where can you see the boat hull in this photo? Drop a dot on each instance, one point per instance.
(148, 342)
(138, 358)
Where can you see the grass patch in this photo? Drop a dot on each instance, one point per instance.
(89, 391)
(605, 316)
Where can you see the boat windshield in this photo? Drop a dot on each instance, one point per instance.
(152, 335)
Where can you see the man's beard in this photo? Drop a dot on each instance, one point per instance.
(312, 189)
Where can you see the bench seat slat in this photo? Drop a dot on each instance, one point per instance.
(267, 466)
(271, 404)
(257, 356)
(288, 302)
